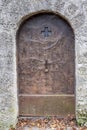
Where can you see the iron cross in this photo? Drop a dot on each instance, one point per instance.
(46, 32)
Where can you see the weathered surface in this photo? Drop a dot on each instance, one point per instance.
(60, 106)
(46, 66)
(12, 13)
(46, 56)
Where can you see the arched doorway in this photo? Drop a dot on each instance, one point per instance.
(46, 66)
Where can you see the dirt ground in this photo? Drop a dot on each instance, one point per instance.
(48, 123)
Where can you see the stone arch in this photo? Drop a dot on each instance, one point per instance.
(12, 13)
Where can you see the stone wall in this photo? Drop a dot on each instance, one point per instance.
(12, 13)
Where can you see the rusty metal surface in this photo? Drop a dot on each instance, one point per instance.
(46, 105)
(46, 57)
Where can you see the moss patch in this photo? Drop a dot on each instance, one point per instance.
(82, 117)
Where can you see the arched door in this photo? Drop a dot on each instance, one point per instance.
(46, 66)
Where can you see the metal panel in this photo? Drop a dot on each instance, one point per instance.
(46, 63)
(47, 105)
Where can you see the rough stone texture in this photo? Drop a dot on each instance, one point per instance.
(12, 13)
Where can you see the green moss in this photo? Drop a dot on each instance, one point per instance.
(6, 126)
(11, 110)
(12, 127)
(82, 117)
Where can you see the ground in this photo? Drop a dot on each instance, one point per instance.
(48, 123)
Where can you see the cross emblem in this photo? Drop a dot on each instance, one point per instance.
(46, 32)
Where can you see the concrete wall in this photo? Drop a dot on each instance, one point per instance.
(12, 13)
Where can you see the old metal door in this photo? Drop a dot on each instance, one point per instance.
(46, 66)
